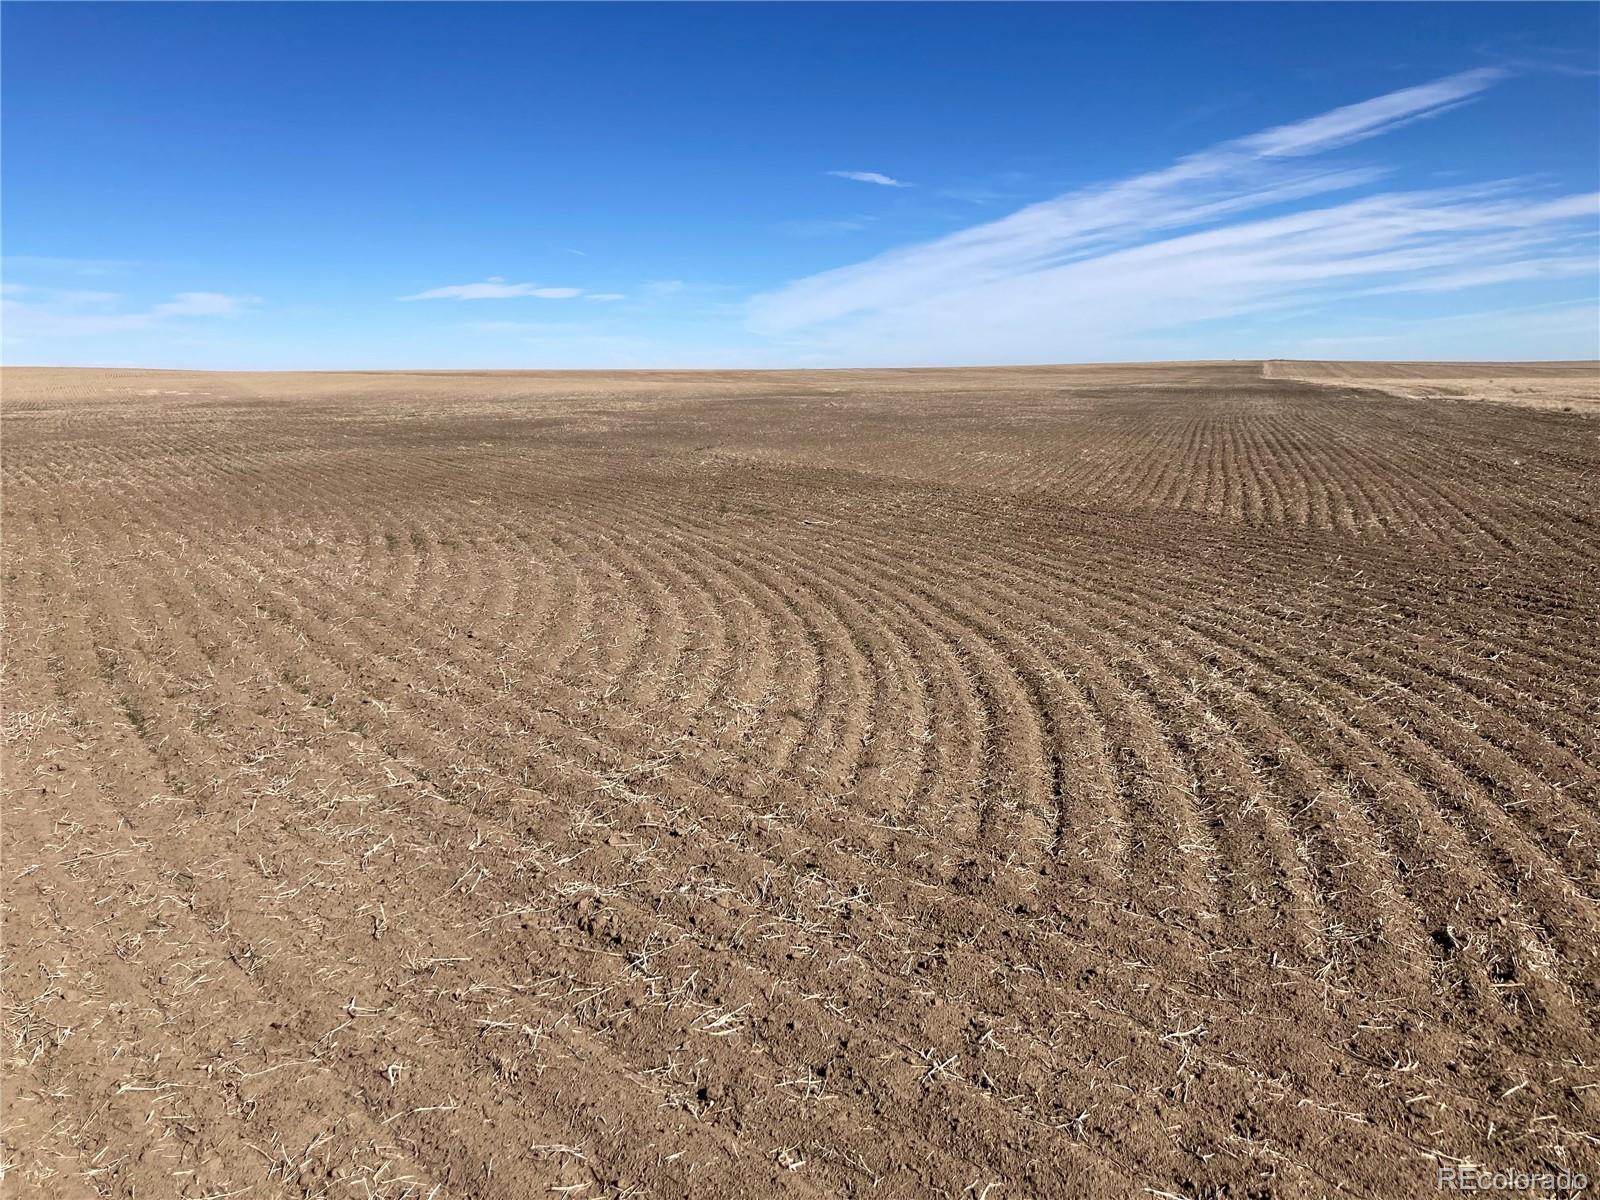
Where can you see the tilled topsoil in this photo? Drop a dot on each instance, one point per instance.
(1148, 780)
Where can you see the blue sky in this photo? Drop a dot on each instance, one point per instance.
(610, 185)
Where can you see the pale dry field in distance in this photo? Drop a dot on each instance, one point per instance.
(1567, 386)
(1169, 780)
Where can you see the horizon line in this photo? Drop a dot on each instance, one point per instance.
(1027, 366)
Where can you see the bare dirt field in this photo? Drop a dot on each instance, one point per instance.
(1154, 780)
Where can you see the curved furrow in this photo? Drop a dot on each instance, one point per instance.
(1457, 732)
(302, 626)
(1324, 717)
(1130, 780)
(950, 741)
(628, 517)
(1366, 849)
(174, 747)
(1401, 477)
(1338, 501)
(1262, 888)
(1072, 727)
(1289, 498)
(799, 565)
(1203, 589)
(1394, 660)
(191, 766)
(1012, 799)
(1510, 764)
(1170, 845)
(780, 586)
(1424, 829)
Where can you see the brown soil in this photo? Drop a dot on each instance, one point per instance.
(1137, 780)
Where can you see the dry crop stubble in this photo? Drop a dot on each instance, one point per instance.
(1169, 780)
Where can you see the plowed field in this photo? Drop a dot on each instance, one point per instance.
(1173, 781)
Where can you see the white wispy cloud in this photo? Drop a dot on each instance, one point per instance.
(495, 288)
(605, 297)
(870, 177)
(202, 304)
(55, 264)
(818, 227)
(1204, 238)
(38, 312)
(1369, 118)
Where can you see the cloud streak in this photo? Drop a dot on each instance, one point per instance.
(817, 227)
(1204, 238)
(495, 288)
(32, 312)
(870, 177)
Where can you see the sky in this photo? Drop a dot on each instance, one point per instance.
(333, 186)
